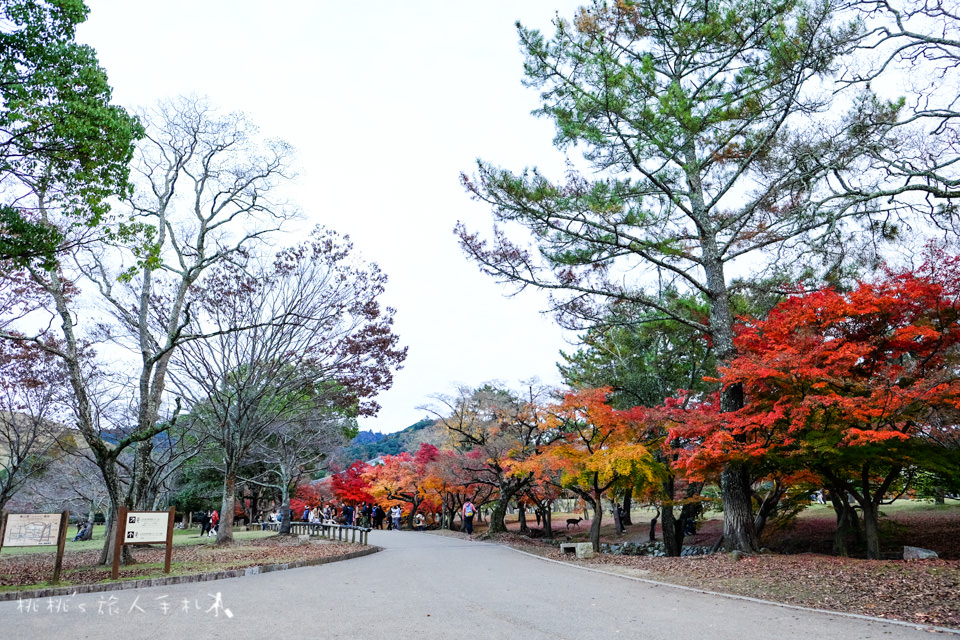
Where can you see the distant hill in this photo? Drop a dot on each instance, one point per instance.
(368, 437)
(370, 444)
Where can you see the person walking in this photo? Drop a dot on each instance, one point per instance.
(395, 514)
(205, 524)
(367, 512)
(214, 522)
(468, 512)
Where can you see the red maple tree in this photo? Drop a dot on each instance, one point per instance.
(848, 385)
(351, 486)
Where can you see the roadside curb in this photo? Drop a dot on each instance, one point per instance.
(198, 577)
(731, 596)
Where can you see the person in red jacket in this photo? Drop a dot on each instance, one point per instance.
(214, 521)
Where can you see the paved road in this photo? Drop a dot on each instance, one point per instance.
(423, 587)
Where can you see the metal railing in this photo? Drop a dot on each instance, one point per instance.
(326, 530)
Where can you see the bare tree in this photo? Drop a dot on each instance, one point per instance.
(275, 334)
(72, 481)
(204, 188)
(302, 444)
(205, 184)
(31, 407)
(911, 48)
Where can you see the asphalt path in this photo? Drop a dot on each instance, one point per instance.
(424, 586)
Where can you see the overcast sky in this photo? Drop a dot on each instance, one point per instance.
(386, 103)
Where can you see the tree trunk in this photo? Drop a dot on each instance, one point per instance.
(522, 517)
(507, 492)
(738, 521)
(112, 483)
(225, 527)
(597, 520)
(143, 468)
(845, 517)
(547, 522)
(285, 510)
(411, 517)
(497, 524)
(91, 518)
(627, 506)
(767, 507)
(671, 543)
(871, 529)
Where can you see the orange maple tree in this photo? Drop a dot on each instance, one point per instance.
(401, 479)
(448, 485)
(595, 446)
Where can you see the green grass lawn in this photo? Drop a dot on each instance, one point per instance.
(181, 537)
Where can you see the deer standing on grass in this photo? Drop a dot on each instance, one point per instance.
(573, 521)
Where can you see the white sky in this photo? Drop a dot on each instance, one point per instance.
(386, 103)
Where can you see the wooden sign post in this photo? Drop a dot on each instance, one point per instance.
(36, 530)
(143, 527)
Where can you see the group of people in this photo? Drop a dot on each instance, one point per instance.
(210, 523)
(363, 515)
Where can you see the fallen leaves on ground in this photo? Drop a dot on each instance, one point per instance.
(802, 571)
(80, 567)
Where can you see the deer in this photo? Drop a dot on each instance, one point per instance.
(573, 521)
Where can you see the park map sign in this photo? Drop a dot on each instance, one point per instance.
(36, 530)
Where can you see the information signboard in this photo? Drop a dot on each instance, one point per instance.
(144, 527)
(32, 529)
(36, 530)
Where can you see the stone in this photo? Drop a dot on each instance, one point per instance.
(736, 555)
(303, 539)
(916, 553)
(581, 549)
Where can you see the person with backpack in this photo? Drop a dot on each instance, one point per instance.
(468, 512)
